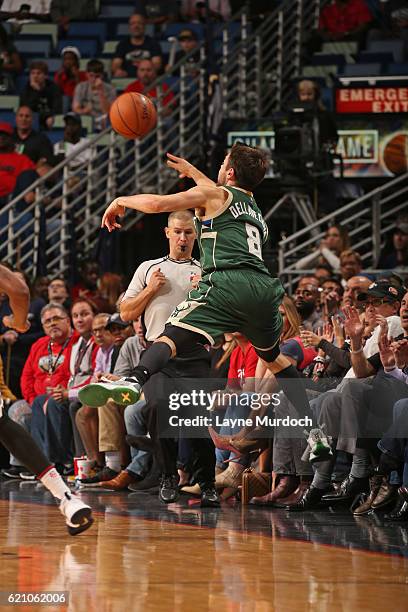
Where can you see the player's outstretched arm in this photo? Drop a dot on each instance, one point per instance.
(185, 169)
(19, 297)
(200, 198)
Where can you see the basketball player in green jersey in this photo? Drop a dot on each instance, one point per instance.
(236, 292)
(78, 516)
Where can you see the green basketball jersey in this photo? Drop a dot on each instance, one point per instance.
(233, 238)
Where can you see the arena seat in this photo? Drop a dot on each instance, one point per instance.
(116, 11)
(55, 135)
(356, 70)
(369, 57)
(327, 59)
(109, 47)
(87, 47)
(120, 83)
(37, 47)
(395, 47)
(9, 102)
(397, 69)
(83, 29)
(325, 72)
(41, 29)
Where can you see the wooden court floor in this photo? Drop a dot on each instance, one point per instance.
(141, 555)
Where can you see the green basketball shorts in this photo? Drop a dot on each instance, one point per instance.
(240, 300)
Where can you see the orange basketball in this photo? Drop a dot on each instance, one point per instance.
(133, 115)
(396, 154)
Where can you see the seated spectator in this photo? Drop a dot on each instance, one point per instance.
(12, 164)
(69, 75)
(44, 367)
(73, 140)
(86, 419)
(16, 346)
(353, 287)
(344, 20)
(331, 297)
(157, 12)
(58, 433)
(34, 144)
(94, 96)
(397, 257)
(111, 440)
(328, 252)
(42, 95)
(64, 11)
(111, 288)
(138, 46)
(146, 73)
(58, 292)
(307, 299)
(87, 287)
(308, 94)
(10, 62)
(40, 287)
(188, 42)
(350, 265)
(219, 10)
(19, 13)
(323, 272)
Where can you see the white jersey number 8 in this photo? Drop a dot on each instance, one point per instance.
(253, 240)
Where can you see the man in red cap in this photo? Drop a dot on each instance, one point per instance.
(11, 163)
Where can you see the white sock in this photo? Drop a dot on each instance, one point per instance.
(54, 483)
(112, 459)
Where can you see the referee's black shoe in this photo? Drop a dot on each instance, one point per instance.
(209, 498)
(169, 491)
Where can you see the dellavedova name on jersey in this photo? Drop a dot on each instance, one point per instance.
(241, 208)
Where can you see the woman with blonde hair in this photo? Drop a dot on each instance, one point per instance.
(328, 252)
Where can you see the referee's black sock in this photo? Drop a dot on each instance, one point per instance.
(152, 361)
(292, 385)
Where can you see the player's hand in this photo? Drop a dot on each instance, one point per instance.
(115, 209)
(157, 280)
(9, 321)
(182, 166)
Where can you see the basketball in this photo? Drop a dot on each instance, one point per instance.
(396, 154)
(133, 115)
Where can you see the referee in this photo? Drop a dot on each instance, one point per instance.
(157, 287)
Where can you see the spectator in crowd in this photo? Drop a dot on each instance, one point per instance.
(397, 257)
(111, 438)
(42, 95)
(191, 10)
(72, 141)
(344, 20)
(322, 272)
(69, 75)
(307, 298)
(330, 298)
(86, 419)
(10, 62)
(353, 287)
(34, 144)
(16, 346)
(136, 47)
(64, 11)
(350, 264)
(111, 288)
(56, 425)
(328, 252)
(146, 75)
(308, 94)
(94, 96)
(45, 366)
(12, 164)
(188, 41)
(58, 292)
(157, 12)
(19, 13)
(87, 287)
(40, 287)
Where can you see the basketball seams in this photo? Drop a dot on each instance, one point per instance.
(136, 113)
(123, 121)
